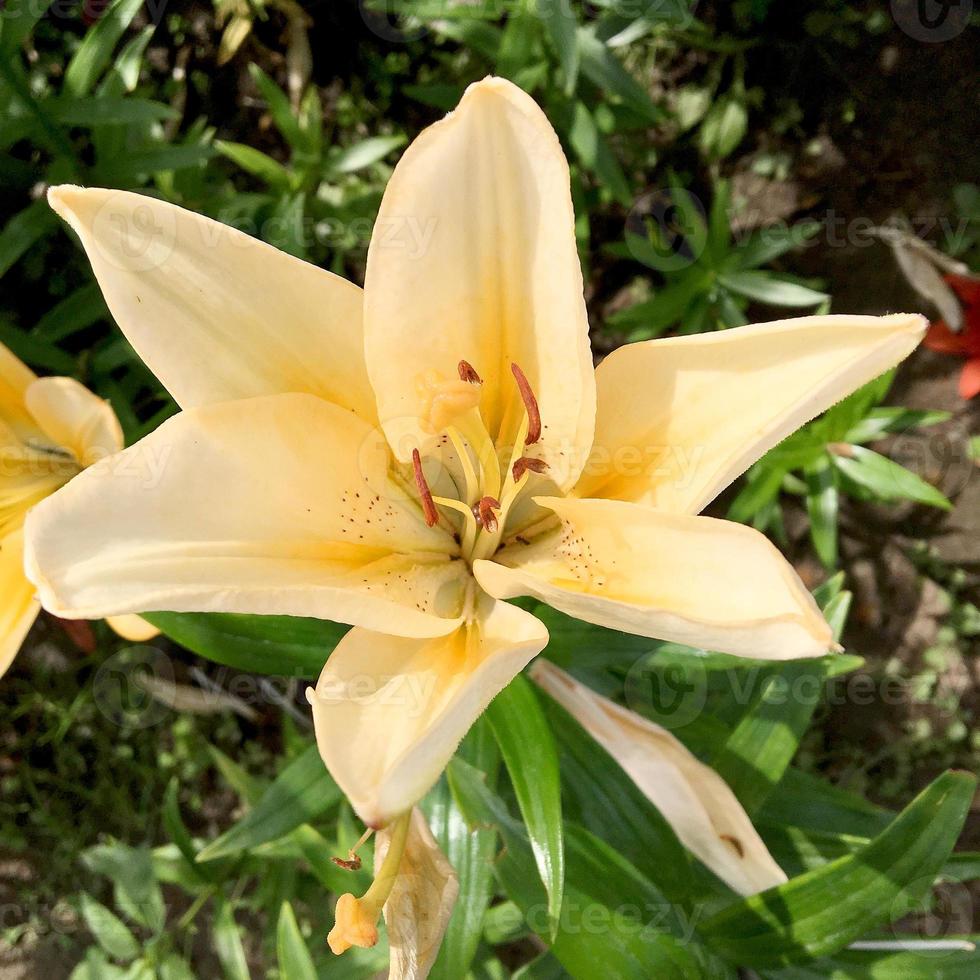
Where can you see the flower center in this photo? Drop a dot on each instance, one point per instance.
(488, 480)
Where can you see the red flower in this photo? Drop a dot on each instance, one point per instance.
(966, 343)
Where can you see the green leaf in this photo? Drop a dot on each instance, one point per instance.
(615, 924)
(23, 230)
(280, 109)
(929, 961)
(17, 24)
(665, 309)
(531, 757)
(295, 962)
(366, 152)
(691, 104)
(821, 505)
(593, 151)
(95, 51)
(136, 890)
(227, 942)
(724, 127)
(764, 742)
(762, 486)
(76, 312)
(98, 110)
(285, 646)
(177, 831)
(764, 287)
(470, 852)
(109, 930)
(886, 479)
(561, 28)
(882, 421)
(36, 351)
(248, 787)
(130, 60)
(142, 163)
(766, 244)
(257, 163)
(822, 911)
(808, 801)
(605, 70)
(301, 792)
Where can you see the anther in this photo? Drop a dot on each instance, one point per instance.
(484, 513)
(526, 463)
(530, 405)
(353, 862)
(468, 373)
(425, 494)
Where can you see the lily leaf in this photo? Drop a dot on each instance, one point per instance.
(283, 646)
(821, 912)
(301, 792)
(531, 757)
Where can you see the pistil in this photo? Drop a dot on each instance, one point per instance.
(356, 922)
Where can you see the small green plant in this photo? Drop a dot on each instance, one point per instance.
(829, 458)
(707, 279)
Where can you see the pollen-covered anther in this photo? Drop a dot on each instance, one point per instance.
(530, 406)
(425, 494)
(528, 464)
(483, 511)
(468, 373)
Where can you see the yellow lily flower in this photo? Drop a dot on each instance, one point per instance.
(50, 430)
(507, 465)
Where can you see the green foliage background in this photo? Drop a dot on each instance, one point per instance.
(199, 845)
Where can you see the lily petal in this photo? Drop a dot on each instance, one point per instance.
(133, 628)
(18, 606)
(473, 258)
(693, 798)
(15, 378)
(215, 314)
(276, 505)
(679, 419)
(74, 418)
(708, 583)
(421, 902)
(389, 712)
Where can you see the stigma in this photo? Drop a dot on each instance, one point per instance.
(443, 400)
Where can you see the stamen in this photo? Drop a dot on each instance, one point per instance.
(356, 918)
(526, 463)
(353, 861)
(484, 513)
(530, 405)
(468, 373)
(425, 494)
